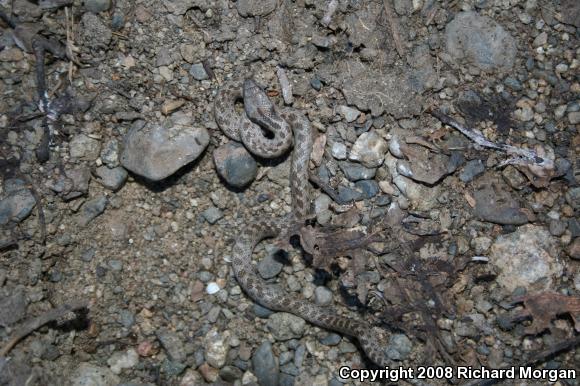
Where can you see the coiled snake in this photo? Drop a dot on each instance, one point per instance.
(260, 114)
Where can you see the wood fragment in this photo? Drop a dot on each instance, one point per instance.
(537, 164)
(35, 323)
(543, 307)
(394, 24)
(479, 139)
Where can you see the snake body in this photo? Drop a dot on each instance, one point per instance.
(261, 113)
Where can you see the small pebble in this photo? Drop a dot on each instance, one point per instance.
(97, 6)
(322, 296)
(212, 288)
(338, 150)
(350, 114)
(212, 215)
(198, 72)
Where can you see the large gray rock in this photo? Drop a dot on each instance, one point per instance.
(155, 152)
(480, 41)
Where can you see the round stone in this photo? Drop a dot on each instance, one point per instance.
(235, 164)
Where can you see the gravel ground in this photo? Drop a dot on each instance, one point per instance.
(143, 196)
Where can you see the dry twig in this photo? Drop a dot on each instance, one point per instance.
(394, 24)
(538, 166)
(32, 324)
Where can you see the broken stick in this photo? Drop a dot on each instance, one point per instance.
(32, 324)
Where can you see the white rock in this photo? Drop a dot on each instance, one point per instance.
(216, 348)
(87, 374)
(540, 40)
(338, 150)
(123, 360)
(348, 113)
(212, 288)
(369, 149)
(526, 258)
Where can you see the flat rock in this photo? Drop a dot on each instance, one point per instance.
(349, 114)
(212, 214)
(399, 347)
(269, 267)
(526, 258)
(480, 41)
(285, 326)
(471, 170)
(97, 6)
(338, 150)
(422, 197)
(424, 166)
(250, 8)
(322, 296)
(155, 152)
(16, 206)
(198, 72)
(369, 149)
(112, 179)
(494, 203)
(355, 172)
(172, 345)
(84, 147)
(91, 209)
(265, 365)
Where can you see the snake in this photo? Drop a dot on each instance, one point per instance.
(267, 131)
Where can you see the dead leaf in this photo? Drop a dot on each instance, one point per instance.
(469, 198)
(543, 307)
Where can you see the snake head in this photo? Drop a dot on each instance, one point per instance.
(256, 102)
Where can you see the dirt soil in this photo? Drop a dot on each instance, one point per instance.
(464, 253)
